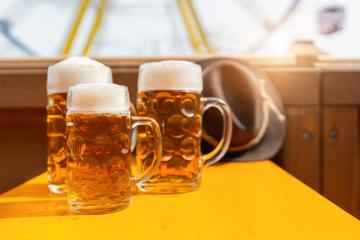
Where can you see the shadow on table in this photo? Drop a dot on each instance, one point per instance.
(36, 190)
(32, 200)
(39, 208)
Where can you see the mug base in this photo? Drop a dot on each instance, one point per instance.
(58, 188)
(96, 208)
(167, 188)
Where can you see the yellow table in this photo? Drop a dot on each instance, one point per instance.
(236, 201)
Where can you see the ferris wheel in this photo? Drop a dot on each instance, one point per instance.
(205, 34)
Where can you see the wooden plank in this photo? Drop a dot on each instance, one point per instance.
(341, 157)
(296, 85)
(43, 62)
(300, 154)
(341, 86)
(326, 60)
(255, 200)
(26, 88)
(22, 144)
(23, 89)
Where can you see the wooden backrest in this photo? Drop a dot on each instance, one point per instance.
(23, 101)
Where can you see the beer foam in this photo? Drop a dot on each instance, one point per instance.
(76, 70)
(98, 97)
(170, 75)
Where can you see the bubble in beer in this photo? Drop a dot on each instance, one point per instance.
(115, 168)
(169, 147)
(173, 126)
(196, 125)
(188, 148)
(88, 166)
(120, 142)
(186, 125)
(187, 106)
(102, 145)
(164, 105)
(141, 107)
(76, 144)
(85, 126)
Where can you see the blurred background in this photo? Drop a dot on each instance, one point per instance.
(164, 27)
(307, 48)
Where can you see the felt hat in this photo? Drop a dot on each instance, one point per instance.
(259, 122)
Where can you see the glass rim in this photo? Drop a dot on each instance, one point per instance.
(171, 90)
(102, 111)
(96, 97)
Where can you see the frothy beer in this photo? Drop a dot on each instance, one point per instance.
(98, 127)
(60, 77)
(170, 92)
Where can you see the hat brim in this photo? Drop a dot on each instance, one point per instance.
(268, 147)
(273, 138)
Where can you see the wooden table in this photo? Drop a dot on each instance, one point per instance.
(236, 201)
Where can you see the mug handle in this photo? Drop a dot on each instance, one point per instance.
(223, 145)
(152, 169)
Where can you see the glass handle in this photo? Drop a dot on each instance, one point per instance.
(154, 166)
(133, 109)
(223, 145)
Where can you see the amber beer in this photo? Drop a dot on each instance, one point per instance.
(61, 76)
(56, 162)
(179, 112)
(99, 145)
(98, 169)
(170, 92)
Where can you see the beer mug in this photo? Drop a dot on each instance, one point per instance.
(170, 92)
(99, 125)
(60, 77)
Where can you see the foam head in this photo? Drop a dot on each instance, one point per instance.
(170, 75)
(98, 97)
(76, 70)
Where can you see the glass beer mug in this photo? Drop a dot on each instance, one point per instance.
(99, 125)
(60, 77)
(170, 92)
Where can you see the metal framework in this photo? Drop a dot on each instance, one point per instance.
(95, 27)
(194, 28)
(75, 26)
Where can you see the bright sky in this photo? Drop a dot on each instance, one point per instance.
(147, 28)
